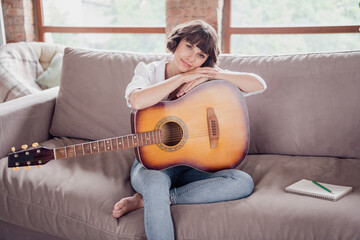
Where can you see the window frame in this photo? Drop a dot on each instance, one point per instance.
(228, 30)
(42, 29)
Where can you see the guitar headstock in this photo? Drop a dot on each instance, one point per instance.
(27, 157)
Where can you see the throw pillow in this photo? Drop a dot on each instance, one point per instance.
(51, 77)
(91, 103)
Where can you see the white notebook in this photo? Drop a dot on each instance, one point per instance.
(308, 188)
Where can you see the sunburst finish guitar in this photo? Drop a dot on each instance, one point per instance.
(206, 129)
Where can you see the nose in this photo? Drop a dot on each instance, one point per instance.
(191, 57)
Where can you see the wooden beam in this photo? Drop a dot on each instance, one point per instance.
(295, 30)
(56, 29)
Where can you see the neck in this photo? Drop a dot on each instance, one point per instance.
(171, 69)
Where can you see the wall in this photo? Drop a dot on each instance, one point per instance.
(19, 20)
(19, 16)
(179, 11)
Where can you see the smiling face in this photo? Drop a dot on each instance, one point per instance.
(188, 56)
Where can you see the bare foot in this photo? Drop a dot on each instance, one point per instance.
(127, 205)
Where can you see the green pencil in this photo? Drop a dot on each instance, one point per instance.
(322, 187)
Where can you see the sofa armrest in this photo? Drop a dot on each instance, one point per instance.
(26, 120)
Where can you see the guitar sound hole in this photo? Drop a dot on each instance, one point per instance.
(172, 133)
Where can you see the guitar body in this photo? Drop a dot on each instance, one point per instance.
(207, 129)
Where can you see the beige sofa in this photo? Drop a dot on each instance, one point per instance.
(305, 125)
(21, 64)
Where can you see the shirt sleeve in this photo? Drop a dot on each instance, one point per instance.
(246, 94)
(140, 80)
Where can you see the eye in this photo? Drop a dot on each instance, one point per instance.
(202, 55)
(189, 46)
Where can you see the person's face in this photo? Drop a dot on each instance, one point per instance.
(188, 57)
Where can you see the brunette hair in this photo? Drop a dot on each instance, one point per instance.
(198, 33)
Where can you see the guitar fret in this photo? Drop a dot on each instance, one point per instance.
(70, 152)
(94, 147)
(79, 150)
(152, 134)
(160, 137)
(87, 148)
(126, 142)
(113, 144)
(148, 138)
(120, 145)
(101, 146)
(60, 153)
(107, 144)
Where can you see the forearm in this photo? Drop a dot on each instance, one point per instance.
(245, 81)
(143, 98)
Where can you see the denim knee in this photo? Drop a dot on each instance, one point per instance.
(244, 181)
(156, 185)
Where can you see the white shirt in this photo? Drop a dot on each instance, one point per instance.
(146, 75)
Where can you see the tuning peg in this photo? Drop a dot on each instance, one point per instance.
(24, 147)
(13, 149)
(35, 144)
(27, 167)
(38, 166)
(15, 168)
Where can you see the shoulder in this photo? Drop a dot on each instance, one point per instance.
(149, 68)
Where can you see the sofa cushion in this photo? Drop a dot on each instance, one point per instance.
(91, 103)
(74, 198)
(311, 105)
(51, 77)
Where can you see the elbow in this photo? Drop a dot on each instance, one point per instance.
(135, 104)
(135, 101)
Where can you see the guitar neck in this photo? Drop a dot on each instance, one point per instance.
(108, 145)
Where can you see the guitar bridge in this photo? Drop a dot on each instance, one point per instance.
(213, 127)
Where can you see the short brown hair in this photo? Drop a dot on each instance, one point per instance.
(197, 33)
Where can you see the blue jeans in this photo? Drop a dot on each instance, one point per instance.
(183, 185)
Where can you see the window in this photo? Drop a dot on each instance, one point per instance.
(278, 27)
(130, 25)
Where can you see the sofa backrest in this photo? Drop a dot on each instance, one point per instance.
(311, 106)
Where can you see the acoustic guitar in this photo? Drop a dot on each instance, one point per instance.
(207, 129)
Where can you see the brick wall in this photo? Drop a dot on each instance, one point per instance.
(180, 11)
(19, 20)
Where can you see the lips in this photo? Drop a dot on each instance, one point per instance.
(185, 64)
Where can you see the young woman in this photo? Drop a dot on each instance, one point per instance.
(194, 47)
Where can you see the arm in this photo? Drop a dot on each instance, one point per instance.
(247, 82)
(149, 96)
(26, 120)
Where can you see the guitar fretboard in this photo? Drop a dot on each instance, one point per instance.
(108, 145)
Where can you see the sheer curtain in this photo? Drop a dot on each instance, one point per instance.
(2, 29)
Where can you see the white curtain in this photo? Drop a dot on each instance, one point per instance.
(2, 28)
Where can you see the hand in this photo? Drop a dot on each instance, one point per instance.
(200, 72)
(190, 85)
(196, 77)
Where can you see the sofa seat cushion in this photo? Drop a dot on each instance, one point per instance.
(73, 199)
